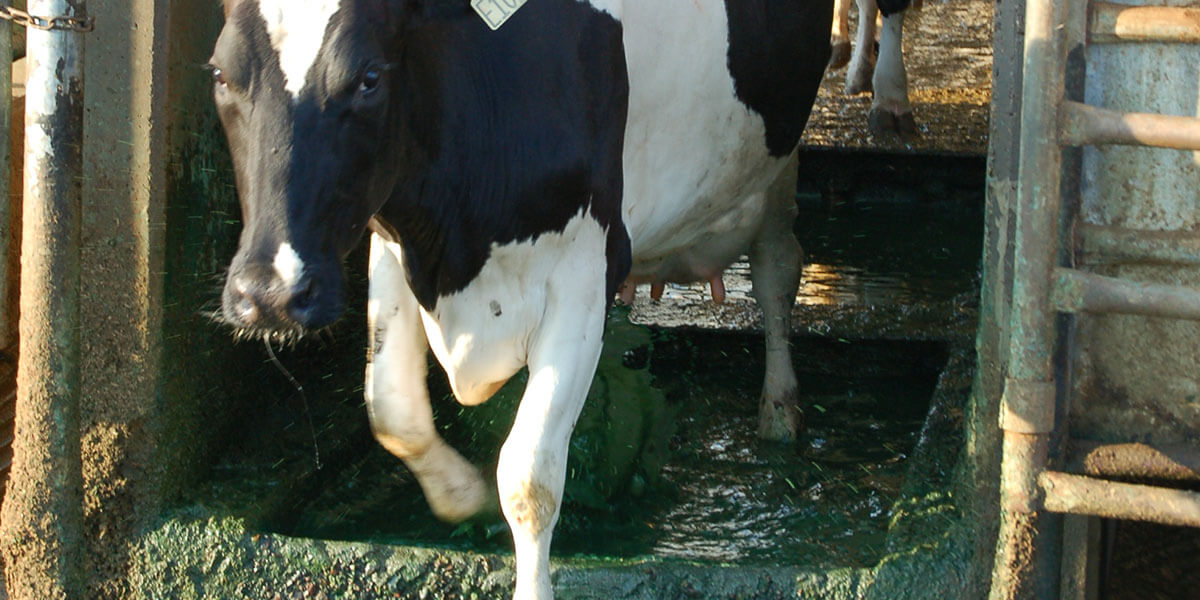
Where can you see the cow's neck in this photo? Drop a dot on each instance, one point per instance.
(453, 197)
(490, 153)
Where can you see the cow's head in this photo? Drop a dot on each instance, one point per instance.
(306, 91)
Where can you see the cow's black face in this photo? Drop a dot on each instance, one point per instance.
(305, 91)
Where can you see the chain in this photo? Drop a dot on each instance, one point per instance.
(20, 17)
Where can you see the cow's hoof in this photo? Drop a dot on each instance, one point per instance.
(780, 419)
(454, 488)
(883, 122)
(470, 500)
(840, 55)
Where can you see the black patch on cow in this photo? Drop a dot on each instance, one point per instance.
(508, 135)
(777, 55)
(891, 7)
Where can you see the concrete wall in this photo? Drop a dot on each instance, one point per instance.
(121, 289)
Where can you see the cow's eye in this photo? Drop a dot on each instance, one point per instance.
(369, 81)
(218, 76)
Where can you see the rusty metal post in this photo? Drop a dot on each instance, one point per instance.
(41, 534)
(1028, 404)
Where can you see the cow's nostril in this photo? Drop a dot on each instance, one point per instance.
(303, 302)
(247, 312)
(242, 303)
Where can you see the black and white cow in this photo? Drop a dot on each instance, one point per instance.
(883, 74)
(512, 180)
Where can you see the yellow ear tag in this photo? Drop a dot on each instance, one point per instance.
(496, 12)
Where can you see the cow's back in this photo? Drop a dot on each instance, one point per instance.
(719, 96)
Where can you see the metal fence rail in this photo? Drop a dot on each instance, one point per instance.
(1101, 244)
(1047, 284)
(1112, 23)
(1084, 125)
(1077, 291)
(1067, 493)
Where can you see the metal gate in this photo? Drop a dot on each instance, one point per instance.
(1044, 471)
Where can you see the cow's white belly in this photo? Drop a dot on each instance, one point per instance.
(484, 334)
(696, 163)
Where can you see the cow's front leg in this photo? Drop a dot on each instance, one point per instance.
(397, 396)
(891, 112)
(533, 460)
(775, 265)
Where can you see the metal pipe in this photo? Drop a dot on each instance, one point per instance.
(1084, 125)
(1016, 561)
(1076, 291)
(41, 527)
(1171, 463)
(1081, 558)
(1102, 244)
(1077, 494)
(1113, 23)
(1032, 352)
(7, 329)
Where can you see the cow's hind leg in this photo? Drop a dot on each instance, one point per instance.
(533, 460)
(398, 399)
(775, 264)
(891, 112)
(839, 35)
(862, 62)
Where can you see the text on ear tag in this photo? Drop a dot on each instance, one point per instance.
(496, 12)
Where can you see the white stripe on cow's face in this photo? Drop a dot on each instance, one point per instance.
(297, 30)
(288, 264)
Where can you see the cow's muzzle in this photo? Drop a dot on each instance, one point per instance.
(258, 301)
